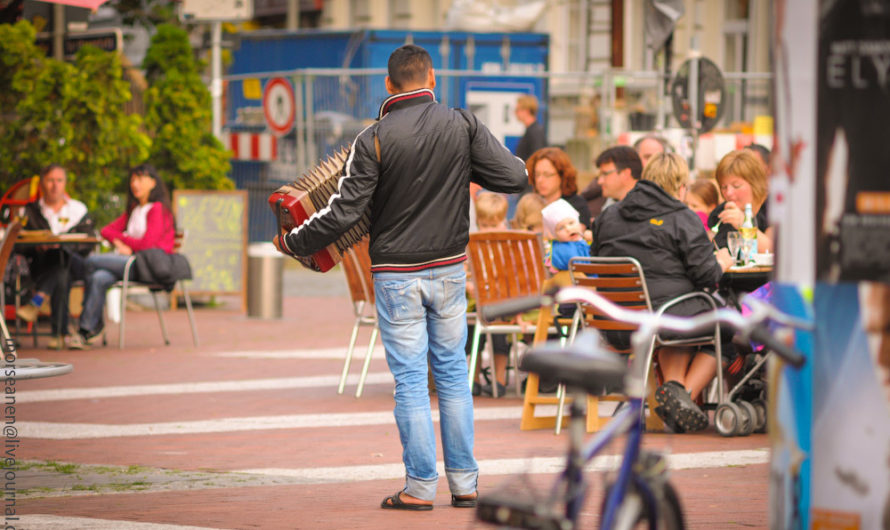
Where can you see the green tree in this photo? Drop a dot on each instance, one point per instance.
(67, 113)
(177, 112)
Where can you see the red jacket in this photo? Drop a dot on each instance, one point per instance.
(159, 232)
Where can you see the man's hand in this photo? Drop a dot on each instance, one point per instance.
(724, 259)
(279, 244)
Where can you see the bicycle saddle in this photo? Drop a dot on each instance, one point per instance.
(584, 364)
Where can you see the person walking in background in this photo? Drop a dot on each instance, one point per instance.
(553, 177)
(53, 268)
(532, 139)
(147, 223)
(419, 232)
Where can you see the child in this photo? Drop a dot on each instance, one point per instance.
(702, 197)
(491, 215)
(528, 213)
(566, 234)
(491, 211)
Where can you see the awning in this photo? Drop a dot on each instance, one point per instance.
(89, 4)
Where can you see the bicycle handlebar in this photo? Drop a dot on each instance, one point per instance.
(751, 326)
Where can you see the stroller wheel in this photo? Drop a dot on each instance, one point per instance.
(747, 419)
(726, 419)
(760, 409)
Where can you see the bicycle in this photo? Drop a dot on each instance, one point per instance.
(641, 492)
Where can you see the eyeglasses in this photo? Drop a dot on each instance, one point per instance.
(605, 174)
(546, 175)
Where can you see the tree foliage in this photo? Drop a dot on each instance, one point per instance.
(178, 114)
(66, 113)
(74, 114)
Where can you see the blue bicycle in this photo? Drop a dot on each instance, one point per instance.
(640, 494)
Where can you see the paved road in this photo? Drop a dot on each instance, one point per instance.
(248, 431)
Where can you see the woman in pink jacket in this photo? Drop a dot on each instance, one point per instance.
(147, 223)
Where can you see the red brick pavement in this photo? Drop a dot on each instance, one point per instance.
(713, 498)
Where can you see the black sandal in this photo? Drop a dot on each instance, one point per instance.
(463, 503)
(395, 502)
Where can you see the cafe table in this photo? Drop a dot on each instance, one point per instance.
(33, 238)
(738, 280)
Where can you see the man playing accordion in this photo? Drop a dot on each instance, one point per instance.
(417, 193)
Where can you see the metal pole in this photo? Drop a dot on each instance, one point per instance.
(300, 133)
(293, 15)
(693, 105)
(58, 31)
(216, 77)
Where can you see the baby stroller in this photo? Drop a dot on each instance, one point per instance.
(742, 410)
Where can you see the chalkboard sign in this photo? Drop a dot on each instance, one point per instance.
(215, 225)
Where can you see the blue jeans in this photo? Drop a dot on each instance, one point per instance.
(102, 270)
(422, 317)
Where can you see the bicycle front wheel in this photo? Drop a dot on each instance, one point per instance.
(636, 511)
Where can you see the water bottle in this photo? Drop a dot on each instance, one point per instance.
(749, 234)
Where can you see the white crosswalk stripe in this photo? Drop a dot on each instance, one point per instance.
(244, 385)
(512, 466)
(71, 431)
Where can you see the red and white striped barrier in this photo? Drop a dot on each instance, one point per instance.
(251, 146)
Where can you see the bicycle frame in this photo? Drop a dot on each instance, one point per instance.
(630, 420)
(627, 421)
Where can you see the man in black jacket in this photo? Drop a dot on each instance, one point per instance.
(417, 191)
(53, 268)
(670, 242)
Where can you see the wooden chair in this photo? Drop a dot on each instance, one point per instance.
(13, 202)
(126, 284)
(622, 281)
(6, 247)
(357, 266)
(503, 265)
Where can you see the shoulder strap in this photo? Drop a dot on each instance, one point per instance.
(377, 146)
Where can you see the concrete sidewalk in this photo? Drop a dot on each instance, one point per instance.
(248, 431)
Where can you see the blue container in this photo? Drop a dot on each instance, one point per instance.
(267, 51)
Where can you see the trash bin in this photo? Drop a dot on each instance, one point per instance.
(265, 280)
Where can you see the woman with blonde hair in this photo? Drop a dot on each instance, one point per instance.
(653, 226)
(742, 180)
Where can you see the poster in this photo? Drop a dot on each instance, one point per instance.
(853, 164)
(851, 409)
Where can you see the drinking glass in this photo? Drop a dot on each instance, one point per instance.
(745, 251)
(734, 244)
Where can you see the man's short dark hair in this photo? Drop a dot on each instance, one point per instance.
(624, 157)
(46, 169)
(760, 150)
(409, 65)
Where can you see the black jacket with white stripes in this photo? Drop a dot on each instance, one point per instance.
(418, 191)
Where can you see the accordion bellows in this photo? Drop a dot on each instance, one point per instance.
(295, 202)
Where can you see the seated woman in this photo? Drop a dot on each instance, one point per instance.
(147, 223)
(553, 177)
(652, 225)
(741, 176)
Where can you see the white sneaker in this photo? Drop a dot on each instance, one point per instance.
(76, 342)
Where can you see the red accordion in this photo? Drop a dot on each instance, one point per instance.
(294, 203)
